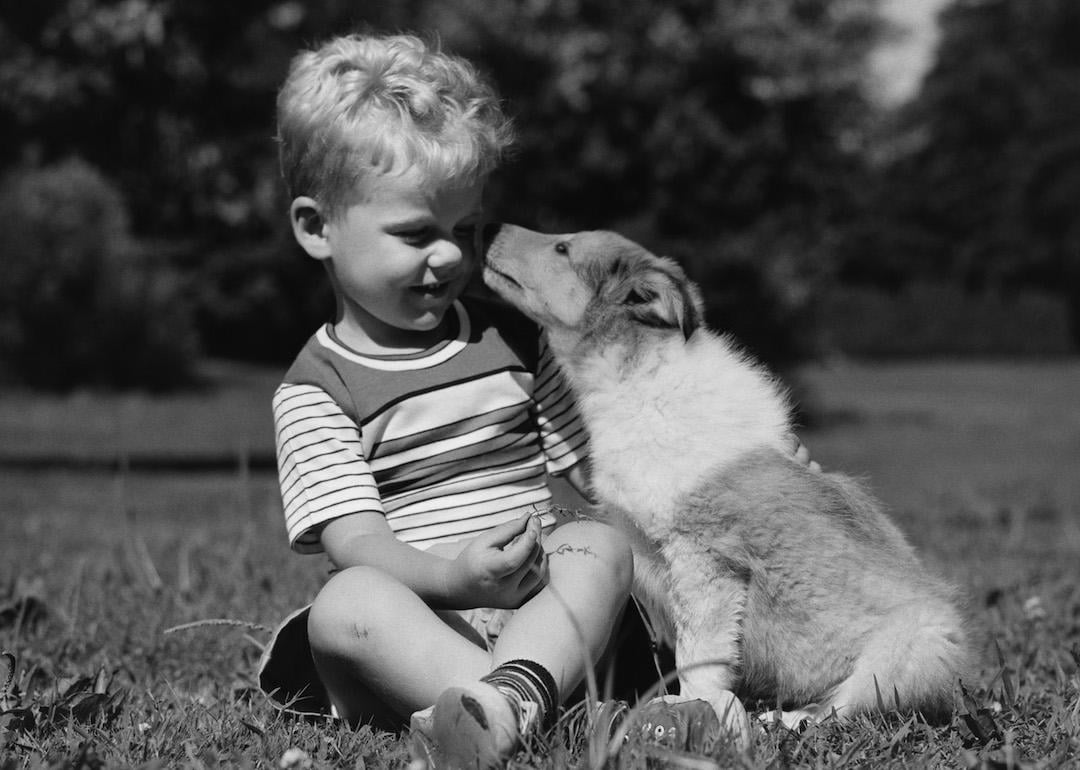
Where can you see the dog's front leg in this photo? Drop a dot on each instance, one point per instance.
(707, 671)
(707, 639)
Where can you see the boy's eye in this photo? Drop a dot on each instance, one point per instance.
(415, 236)
(465, 232)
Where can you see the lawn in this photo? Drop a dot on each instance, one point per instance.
(134, 598)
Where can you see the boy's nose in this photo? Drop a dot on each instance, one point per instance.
(447, 253)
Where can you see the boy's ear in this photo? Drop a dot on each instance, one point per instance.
(309, 227)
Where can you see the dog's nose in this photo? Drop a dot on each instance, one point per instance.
(487, 235)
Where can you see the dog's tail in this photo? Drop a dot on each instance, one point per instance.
(910, 662)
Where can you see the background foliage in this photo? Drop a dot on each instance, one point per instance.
(978, 179)
(737, 137)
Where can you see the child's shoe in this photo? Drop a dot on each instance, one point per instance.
(685, 725)
(693, 725)
(474, 727)
(674, 730)
(421, 743)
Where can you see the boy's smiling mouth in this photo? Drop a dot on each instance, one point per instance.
(433, 289)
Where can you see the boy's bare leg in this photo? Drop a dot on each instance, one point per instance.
(566, 626)
(556, 635)
(377, 645)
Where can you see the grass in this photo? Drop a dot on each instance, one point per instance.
(108, 579)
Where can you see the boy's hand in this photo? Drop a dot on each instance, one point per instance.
(502, 567)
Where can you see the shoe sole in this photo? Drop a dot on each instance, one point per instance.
(473, 729)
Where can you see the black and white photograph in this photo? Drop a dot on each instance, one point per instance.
(540, 384)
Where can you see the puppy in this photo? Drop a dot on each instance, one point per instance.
(782, 583)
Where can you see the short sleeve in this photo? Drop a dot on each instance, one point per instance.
(321, 464)
(562, 431)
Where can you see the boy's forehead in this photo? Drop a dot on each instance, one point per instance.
(415, 189)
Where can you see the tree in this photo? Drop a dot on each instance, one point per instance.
(81, 303)
(720, 133)
(724, 134)
(982, 184)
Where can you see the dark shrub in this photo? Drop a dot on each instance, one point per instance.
(260, 301)
(81, 304)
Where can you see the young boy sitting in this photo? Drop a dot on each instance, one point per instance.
(416, 432)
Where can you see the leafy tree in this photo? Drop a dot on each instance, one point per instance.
(81, 303)
(984, 170)
(701, 128)
(725, 134)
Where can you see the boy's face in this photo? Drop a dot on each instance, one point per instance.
(399, 259)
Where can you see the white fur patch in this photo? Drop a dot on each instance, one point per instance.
(680, 413)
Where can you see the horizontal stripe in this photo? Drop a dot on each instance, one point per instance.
(466, 507)
(451, 531)
(464, 459)
(527, 465)
(439, 450)
(498, 416)
(417, 412)
(436, 357)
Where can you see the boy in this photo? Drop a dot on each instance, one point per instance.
(416, 432)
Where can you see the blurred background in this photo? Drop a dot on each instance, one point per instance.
(881, 198)
(864, 178)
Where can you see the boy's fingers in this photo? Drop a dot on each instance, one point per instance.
(532, 575)
(536, 564)
(528, 563)
(502, 536)
(515, 554)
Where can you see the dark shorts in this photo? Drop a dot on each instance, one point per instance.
(632, 667)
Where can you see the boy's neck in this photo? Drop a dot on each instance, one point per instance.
(390, 342)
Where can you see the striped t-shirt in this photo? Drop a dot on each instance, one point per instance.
(445, 443)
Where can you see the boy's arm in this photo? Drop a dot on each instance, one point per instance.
(502, 567)
(365, 539)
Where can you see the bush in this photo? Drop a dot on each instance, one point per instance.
(81, 303)
(260, 301)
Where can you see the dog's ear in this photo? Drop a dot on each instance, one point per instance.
(661, 296)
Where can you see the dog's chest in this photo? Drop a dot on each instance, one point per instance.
(648, 453)
(682, 415)
(640, 461)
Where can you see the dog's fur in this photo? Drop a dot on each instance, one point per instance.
(791, 581)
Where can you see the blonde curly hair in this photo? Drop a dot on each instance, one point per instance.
(361, 106)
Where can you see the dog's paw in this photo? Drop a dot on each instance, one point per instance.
(796, 720)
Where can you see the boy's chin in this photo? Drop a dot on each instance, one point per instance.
(433, 319)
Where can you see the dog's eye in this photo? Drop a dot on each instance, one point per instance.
(562, 247)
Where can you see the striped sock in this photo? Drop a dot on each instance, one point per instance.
(524, 683)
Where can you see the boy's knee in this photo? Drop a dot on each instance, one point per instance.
(607, 542)
(349, 596)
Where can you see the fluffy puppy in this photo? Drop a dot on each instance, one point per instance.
(780, 582)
